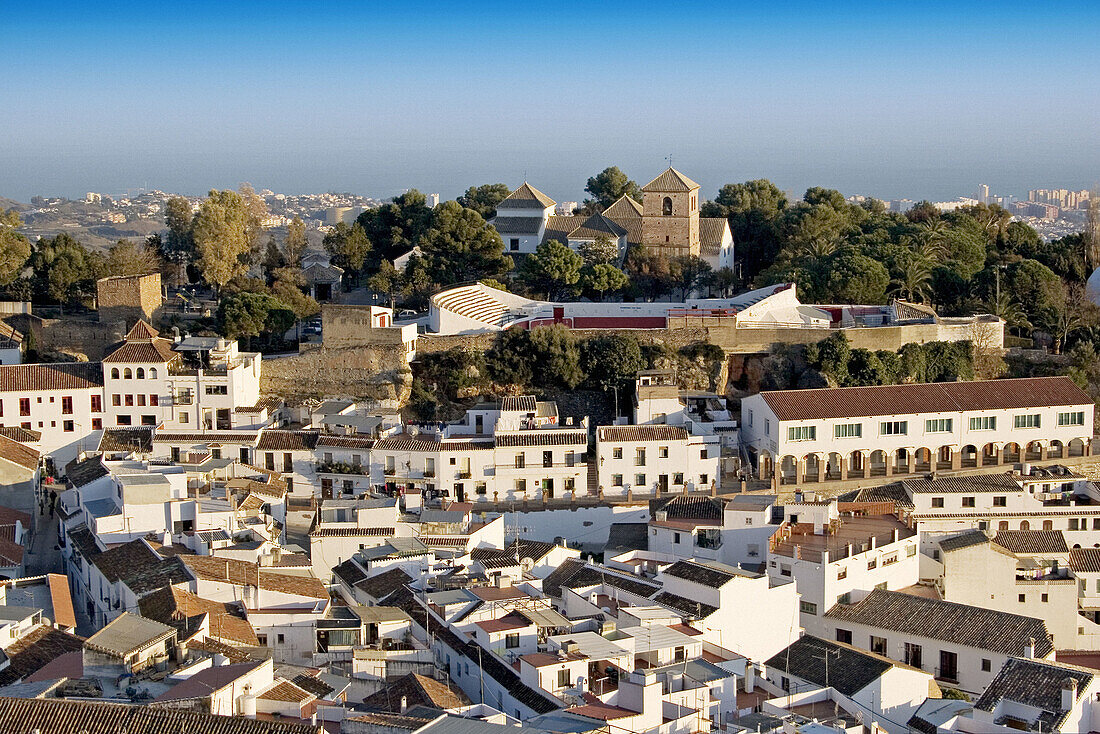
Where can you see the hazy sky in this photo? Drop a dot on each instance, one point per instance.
(924, 100)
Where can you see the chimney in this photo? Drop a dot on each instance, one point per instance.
(750, 678)
(1069, 693)
(1029, 648)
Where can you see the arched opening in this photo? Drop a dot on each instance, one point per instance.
(812, 464)
(1048, 524)
(943, 457)
(856, 465)
(901, 461)
(666, 207)
(764, 466)
(1057, 450)
(877, 464)
(1076, 545)
(1011, 452)
(1076, 447)
(1033, 452)
(788, 469)
(833, 464)
(970, 455)
(1002, 525)
(141, 373)
(127, 374)
(114, 373)
(989, 454)
(1025, 525)
(924, 460)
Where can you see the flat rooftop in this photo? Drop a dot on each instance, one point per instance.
(851, 530)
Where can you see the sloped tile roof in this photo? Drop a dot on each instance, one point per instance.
(33, 650)
(383, 584)
(526, 197)
(344, 442)
(61, 715)
(241, 573)
(543, 437)
(701, 573)
(138, 439)
(517, 225)
(670, 181)
(417, 690)
(689, 507)
(688, 607)
(175, 607)
(115, 563)
(957, 485)
(1035, 683)
(142, 330)
(155, 351)
(641, 433)
(277, 440)
(1032, 541)
(938, 397)
(22, 435)
(57, 376)
(288, 692)
(18, 453)
(963, 540)
(844, 667)
(1085, 560)
(127, 634)
(575, 574)
(624, 208)
(597, 226)
(961, 624)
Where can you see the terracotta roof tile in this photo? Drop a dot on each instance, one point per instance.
(641, 433)
(58, 376)
(938, 397)
(278, 440)
(156, 351)
(18, 453)
(526, 197)
(670, 181)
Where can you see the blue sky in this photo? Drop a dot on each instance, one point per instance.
(902, 99)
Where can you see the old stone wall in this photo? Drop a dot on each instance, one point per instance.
(128, 298)
(428, 343)
(893, 338)
(353, 326)
(377, 373)
(81, 338)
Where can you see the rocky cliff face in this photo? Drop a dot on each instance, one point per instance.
(376, 373)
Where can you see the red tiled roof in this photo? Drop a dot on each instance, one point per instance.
(938, 397)
(275, 440)
(156, 351)
(642, 433)
(57, 376)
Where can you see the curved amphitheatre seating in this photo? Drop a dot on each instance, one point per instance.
(475, 302)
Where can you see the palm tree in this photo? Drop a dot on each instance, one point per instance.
(1002, 305)
(915, 281)
(930, 240)
(818, 248)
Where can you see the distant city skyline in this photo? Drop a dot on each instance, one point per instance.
(887, 101)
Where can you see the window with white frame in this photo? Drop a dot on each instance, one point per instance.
(1028, 420)
(983, 423)
(1072, 419)
(848, 430)
(894, 428)
(802, 433)
(937, 425)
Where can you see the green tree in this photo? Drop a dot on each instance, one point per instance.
(915, 281)
(855, 278)
(15, 250)
(274, 259)
(64, 270)
(179, 241)
(689, 272)
(599, 251)
(129, 258)
(296, 241)
(966, 245)
(553, 269)
(753, 210)
(557, 360)
(650, 273)
(387, 281)
(288, 288)
(248, 315)
(831, 356)
(255, 214)
(510, 361)
(460, 246)
(608, 186)
(348, 246)
(1040, 292)
(393, 229)
(600, 280)
(222, 230)
(612, 360)
(484, 199)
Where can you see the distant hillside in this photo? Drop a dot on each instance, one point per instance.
(13, 204)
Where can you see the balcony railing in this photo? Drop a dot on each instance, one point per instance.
(341, 467)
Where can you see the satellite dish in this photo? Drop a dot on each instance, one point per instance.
(526, 564)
